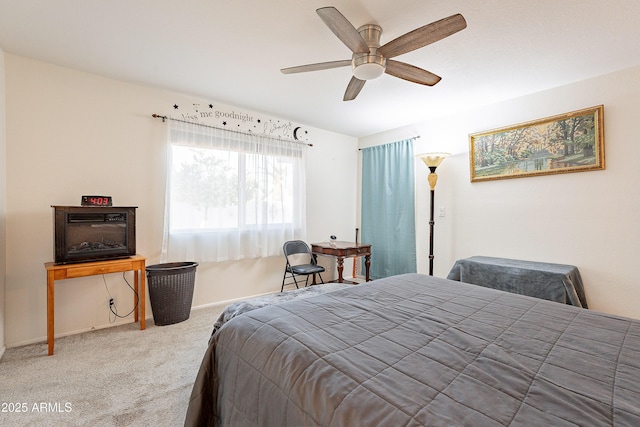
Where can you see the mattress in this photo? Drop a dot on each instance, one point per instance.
(414, 350)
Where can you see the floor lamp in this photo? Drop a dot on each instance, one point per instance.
(432, 160)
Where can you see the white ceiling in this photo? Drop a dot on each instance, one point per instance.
(231, 51)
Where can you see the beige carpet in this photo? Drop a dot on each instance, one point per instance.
(118, 376)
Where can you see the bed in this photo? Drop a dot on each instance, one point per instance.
(415, 350)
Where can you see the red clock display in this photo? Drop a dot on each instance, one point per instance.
(96, 201)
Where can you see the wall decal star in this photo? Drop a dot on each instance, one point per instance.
(175, 106)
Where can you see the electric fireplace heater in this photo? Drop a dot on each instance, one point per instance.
(83, 234)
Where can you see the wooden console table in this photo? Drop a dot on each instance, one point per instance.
(342, 250)
(69, 271)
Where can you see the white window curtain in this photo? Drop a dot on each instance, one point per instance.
(231, 195)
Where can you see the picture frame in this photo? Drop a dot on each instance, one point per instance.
(571, 142)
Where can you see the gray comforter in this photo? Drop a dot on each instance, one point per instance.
(241, 307)
(415, 350)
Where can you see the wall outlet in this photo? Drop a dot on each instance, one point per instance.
(442, 212)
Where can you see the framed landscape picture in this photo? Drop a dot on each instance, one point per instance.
(572, 142)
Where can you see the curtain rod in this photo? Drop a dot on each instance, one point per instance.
(158, 116)
(412, 138)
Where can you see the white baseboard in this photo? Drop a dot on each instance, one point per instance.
(74, 332)
(230, 301)
(148, 316)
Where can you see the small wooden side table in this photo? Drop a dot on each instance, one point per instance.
(342, 250)
(55, 272)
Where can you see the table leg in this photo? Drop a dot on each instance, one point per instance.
(340, 269)
(367, 264)
(50, 309)
(136, 295)
(143, 299)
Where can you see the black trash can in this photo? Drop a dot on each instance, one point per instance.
(171, 291)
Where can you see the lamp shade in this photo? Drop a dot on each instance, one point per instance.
(433, 160)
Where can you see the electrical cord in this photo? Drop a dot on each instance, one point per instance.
(113, 308)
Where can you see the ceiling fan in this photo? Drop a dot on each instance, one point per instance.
(370, 60)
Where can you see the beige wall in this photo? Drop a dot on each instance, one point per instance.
(70, 133)
(67, 132)
(587, 219)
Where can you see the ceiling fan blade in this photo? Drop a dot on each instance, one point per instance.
(353, 89)
(343, 29)
(423, 36)
(316, 67)
(411, 73)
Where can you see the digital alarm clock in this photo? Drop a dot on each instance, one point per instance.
(96, 201)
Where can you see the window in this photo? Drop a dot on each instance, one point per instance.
(231, 195)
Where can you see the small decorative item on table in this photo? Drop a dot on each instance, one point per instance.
(96, 201)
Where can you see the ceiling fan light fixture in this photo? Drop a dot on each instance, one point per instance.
(368, 66)
(368, 71)
(369, 59)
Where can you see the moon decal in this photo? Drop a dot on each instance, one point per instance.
(295, 133)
